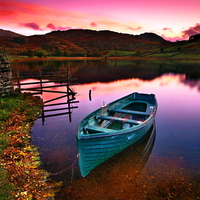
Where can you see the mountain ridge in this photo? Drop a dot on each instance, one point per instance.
(7, 33)
(104, 43)
(80, 41)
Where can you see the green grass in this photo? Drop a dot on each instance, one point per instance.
(196, 43)
(5, 186)
(187, 56)
(14, 101)
(17, 57)
(161, 55)
(118, 53)
(3, 142)
(8, 104)
(176, 55)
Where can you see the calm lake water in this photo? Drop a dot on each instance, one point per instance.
(168, 169)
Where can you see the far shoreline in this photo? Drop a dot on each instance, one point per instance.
(19, 58)
(78, 58)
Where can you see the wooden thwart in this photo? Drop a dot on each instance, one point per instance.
(119, 119)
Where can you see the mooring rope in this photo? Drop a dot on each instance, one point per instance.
(71, 166)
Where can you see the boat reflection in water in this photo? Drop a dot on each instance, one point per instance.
(130, 159)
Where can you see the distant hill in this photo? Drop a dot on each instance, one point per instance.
(150, 37)
(6, 33)
(89, 40)
(79, 42)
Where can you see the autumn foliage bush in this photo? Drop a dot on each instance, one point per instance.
(20, 177)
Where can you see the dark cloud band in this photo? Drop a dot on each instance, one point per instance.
(31, 25)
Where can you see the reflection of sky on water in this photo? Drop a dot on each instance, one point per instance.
(177, 120)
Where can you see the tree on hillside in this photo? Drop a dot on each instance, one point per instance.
(194, 37)
(138, 53)
(41, 53)
(47, 47)
(19, 40)
(30, 53)
(58, 52)
(65, 53)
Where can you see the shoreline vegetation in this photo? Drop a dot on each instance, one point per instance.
(123, 55)
(159, 57)
(106, 44)
(20, 176)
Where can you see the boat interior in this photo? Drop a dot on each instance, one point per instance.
(109, 119)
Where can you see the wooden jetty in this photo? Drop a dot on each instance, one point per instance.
(61, 78)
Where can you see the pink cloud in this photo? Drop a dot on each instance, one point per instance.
(135, 29)
(31, 25)
(166, 29)
(191, 31)
(52, 27)
(93, 24)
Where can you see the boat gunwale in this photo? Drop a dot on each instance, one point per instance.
(119, 132)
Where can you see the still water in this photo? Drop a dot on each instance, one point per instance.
(170, 165)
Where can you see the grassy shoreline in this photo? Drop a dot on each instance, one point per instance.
(149, 56)
(20, 177)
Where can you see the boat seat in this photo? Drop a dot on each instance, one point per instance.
(119, 119)
(96, 129)
(129, 112)
(146, 97)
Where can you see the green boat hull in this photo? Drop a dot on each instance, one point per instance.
(101, 143)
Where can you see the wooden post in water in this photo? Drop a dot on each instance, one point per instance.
(43, 117)
(40, 77)
(90, 95)
(68, 89)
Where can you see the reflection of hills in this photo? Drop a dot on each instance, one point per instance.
(192, 81)
(113, 70)
(88, 71)
(103, 72)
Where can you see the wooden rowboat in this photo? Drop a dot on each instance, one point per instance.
(110, 129)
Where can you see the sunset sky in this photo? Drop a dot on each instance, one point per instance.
(171, 19)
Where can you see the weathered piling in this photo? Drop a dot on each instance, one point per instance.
(5, 76)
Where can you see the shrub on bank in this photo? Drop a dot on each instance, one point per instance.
(20, 177)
